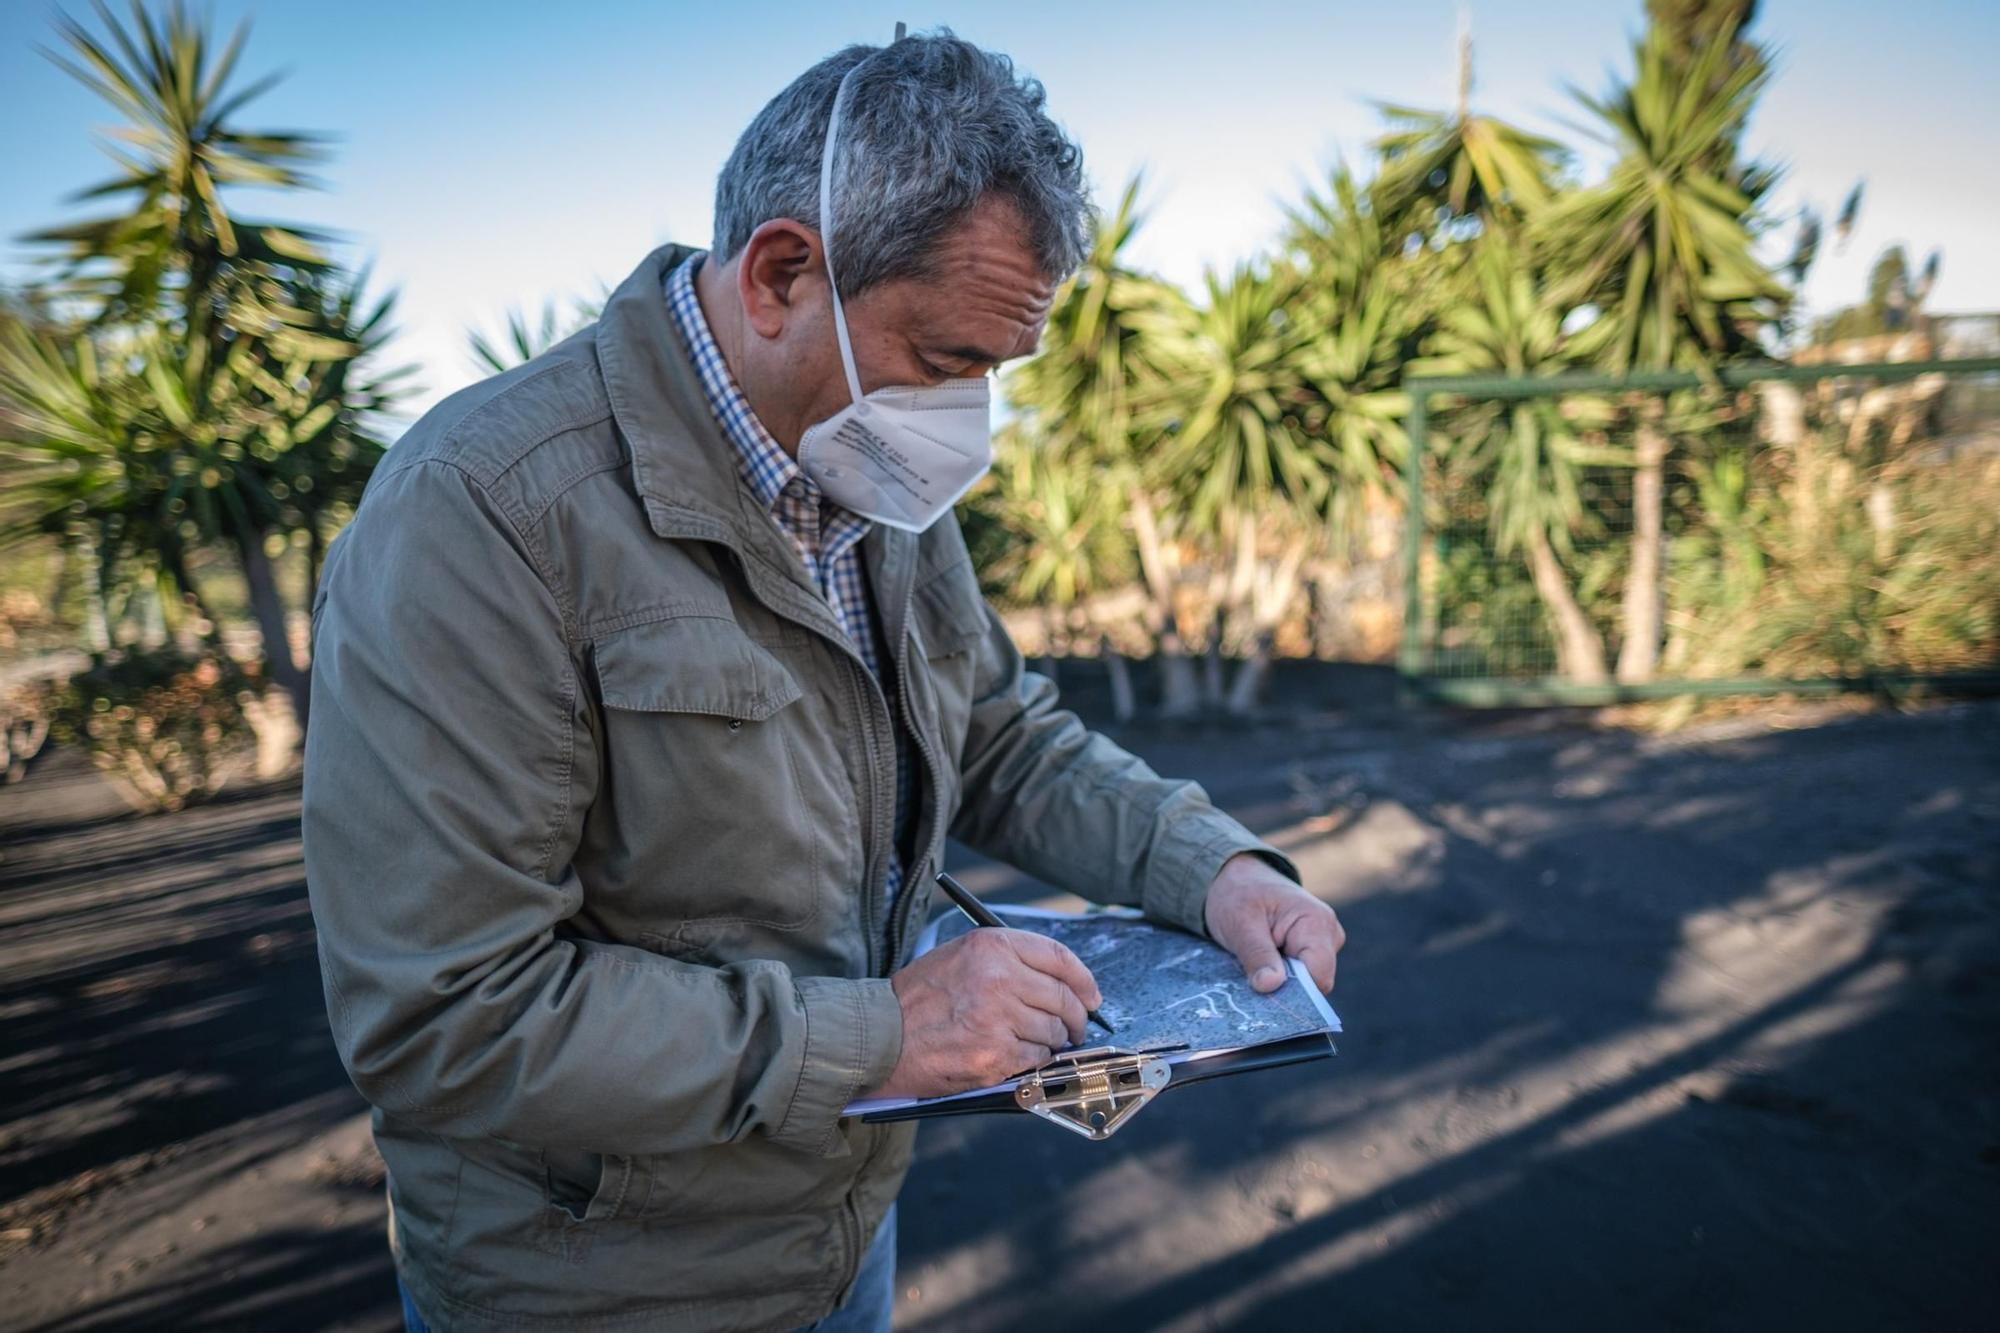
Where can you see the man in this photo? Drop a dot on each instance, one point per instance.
(649, 680)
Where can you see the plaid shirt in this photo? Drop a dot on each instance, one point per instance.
(826, 536)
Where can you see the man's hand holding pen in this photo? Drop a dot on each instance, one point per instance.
(981, 1008)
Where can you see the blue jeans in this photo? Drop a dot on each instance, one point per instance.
(867, 1309)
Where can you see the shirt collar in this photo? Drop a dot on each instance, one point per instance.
(767, 469)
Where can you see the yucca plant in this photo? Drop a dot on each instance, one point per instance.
(176, 246)
(1527, 458)
(1065, 544)
(211, 387)
(1287, 413)
(1441, 169)
(155, 450)
(1450, 175)
(1664, 247)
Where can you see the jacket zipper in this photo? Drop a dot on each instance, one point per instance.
(850, 1218)
(873, 868)
(913, 873)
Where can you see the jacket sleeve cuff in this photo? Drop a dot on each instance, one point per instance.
(1187, 860)
(854, 1036)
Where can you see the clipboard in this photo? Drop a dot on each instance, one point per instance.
(1094, 1091)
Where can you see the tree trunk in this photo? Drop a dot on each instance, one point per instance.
(1579, 648)
(1124, 703)
(315, 558)
(1233, 594)
(269, 610)
(96, 621)
(1645, 591)
(152, 615)
(1880, 506)
(1212, 687)
(174, 561)
(1268, 605)
(1179, 695)
(1781, 418)
(1248, 687)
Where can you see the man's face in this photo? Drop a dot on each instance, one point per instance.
(984, 303)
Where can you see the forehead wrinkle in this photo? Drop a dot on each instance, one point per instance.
(1011, 290)
(963, 343)
(1015, 318)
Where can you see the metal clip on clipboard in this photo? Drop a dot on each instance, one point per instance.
(1093, 1092)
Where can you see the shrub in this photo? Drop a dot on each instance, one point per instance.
(168, 728)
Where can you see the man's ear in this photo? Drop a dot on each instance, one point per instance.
(775, 257)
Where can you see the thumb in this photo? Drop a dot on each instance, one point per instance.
(1258, 953)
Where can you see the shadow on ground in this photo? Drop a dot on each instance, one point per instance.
(1642, 1034)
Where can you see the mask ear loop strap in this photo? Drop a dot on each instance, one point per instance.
(826, 231)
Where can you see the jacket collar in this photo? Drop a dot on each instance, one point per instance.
(682, 467)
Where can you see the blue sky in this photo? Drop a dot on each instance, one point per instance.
(498, 154)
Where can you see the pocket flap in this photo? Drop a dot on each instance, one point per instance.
(691, 664)
(949, 621)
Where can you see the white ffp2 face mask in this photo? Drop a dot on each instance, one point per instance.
(902, 455)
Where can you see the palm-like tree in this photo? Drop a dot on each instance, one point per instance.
(1665, 242)
(175, 244)
(186, 450)
(1526, 457)
(1245, 441)
(1452, 175)
(213, 390)
(319, 477)
(1290, 416)
(1473, 165)
(1664, 247)
(1067, 544)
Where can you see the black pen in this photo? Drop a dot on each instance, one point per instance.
(982, 915)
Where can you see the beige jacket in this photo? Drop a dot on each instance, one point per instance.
(597, 805)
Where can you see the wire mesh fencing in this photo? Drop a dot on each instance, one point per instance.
(1807, 528)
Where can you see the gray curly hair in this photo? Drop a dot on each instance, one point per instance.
(931, 126)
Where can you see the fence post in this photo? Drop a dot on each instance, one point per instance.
(1412, 663)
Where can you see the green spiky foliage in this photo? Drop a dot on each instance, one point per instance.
(1448, 175)
(525, 339)
(174, 245)
(1664, 245)
(211, 378)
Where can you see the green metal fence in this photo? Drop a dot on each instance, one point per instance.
(1822, 528)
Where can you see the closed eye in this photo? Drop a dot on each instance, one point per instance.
(966, 372)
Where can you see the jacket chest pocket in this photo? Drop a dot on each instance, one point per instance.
(701, 764)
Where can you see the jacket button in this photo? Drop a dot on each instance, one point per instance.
(736, 724)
